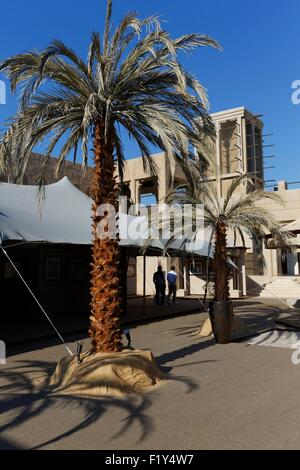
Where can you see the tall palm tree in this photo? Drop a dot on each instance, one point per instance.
(237, 211)
(132, 79)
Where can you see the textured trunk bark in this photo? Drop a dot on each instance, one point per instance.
(220, 310)
(220, 265)
(105, 277)
(221, 317)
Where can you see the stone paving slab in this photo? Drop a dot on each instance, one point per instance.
(232, 396)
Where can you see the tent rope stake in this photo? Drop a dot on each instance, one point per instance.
(41, 307)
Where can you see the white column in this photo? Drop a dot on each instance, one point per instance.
(185, 282)
(244, 281)
(135, 191)
(132, 190)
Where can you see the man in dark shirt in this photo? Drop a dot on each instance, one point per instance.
(160, 286)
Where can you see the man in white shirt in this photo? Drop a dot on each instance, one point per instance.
(172, 279)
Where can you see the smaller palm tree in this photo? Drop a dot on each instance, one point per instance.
(236, 211)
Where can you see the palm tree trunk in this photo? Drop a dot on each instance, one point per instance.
(220, 265)
(105, 277)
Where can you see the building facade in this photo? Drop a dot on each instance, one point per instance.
(238, 149)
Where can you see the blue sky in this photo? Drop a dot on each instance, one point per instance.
(261, 58)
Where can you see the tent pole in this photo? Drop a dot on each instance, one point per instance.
(144, 286)
(207, 279)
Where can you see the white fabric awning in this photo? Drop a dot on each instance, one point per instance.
(137, 230)
(64, 216)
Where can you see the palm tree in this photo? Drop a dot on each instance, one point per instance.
(236, 211)
(131, 80)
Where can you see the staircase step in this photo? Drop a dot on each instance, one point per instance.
(282, 287)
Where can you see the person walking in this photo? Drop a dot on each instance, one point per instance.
(172, 280)
(160, 286)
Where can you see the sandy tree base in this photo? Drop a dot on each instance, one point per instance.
(240, 329)
(107, 374)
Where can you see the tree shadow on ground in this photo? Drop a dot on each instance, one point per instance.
(259, 318)
(22, 400)
(172, 356)
(185, 351)
(8, 444)
(208, 361)
(259, 311)
(250, 303)
(271, 338)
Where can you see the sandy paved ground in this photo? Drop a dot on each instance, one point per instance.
(218, 397)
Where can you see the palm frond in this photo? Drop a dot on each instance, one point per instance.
(132, 78)
(107, 27)
(239, 211)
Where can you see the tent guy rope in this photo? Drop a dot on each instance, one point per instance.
(41, 307)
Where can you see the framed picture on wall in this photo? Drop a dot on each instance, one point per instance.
(197, 268)
(52, 268)
(131, 270)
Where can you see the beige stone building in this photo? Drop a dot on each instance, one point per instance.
(238, 150)
(240, 147)
(280, 276)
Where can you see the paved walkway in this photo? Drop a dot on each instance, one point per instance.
(28, 325)
(232, 396)
(148, 310)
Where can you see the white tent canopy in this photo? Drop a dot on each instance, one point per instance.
(64, 217)
(138, 228)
